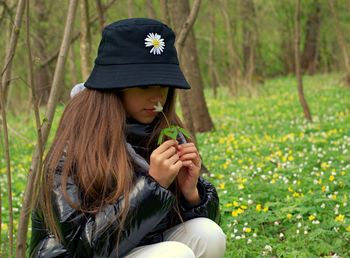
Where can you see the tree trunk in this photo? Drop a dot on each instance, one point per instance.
(151, 13)
(287, 37)
(234, 64)
(46, 126)
(100, 14)
(75, 35)
(72, 66)
(130, 9)
(5, 80)
(189, 64)
(85, 40)
(11, 49)
(302, 99)
(249, 41)
(310, 51)
(211, 54)
(165, 16)
(341, 41)
(41, 73)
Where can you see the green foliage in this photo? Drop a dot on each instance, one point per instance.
(172, 132)
(282, 183)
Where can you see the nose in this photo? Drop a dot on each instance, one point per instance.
(157, 94)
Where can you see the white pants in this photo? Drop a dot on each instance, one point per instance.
(196, 238)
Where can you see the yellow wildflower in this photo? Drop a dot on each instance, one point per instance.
(236, 204)
(258, 207)
(340, 218)
(266, 209)
(235, 213)
(324, 165)
(312, 217)
(289, 216)
(331, 178)
(347, 228)
(241, 186)
(247, 230)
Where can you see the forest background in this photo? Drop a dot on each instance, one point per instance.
(235, 55)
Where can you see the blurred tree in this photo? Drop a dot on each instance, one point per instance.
(29, 194)
(130, 9)
(151, 13)
(41, 33)
(310, 51)
(72, 66)
(298, 72)
(212, 71)
(101, 14)
(341, 41)
(234, 70)
(85, 40)
(249, 43)
(193, 103)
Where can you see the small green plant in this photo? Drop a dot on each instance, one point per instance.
(172, 131)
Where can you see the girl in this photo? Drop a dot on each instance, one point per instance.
(108, 189)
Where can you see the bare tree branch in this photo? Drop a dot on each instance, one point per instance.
(5, 75)
(187, 26)
(6, 72)
(100, 13)
(76, 35)
(46, 126)
(35, 101)
(302, 99)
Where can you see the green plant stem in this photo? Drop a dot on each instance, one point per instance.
(166, 119)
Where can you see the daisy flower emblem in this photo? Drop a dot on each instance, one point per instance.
(155, 41)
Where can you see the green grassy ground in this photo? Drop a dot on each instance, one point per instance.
(283, 183)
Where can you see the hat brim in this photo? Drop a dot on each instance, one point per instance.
(121, 76)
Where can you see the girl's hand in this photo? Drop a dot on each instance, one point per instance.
(165, 163)
(188, 175)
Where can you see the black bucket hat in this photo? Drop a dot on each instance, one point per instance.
(136, 52)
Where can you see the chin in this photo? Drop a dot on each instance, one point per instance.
(145, 120)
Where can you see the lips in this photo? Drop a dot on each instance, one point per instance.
(150, 111)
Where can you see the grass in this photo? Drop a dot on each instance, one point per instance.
(282, 182)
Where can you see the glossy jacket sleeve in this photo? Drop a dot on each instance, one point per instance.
(209, 205)
(96, 235)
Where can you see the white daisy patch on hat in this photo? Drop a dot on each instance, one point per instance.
(155, 41)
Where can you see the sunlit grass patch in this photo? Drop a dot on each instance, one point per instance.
(282, 182)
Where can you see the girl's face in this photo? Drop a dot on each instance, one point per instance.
(138, 102)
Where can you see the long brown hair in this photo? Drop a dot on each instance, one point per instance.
(91, 140)
(90, 137)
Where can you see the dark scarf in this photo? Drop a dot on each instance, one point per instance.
(138, 135)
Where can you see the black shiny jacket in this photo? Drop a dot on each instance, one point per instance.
(87, 235)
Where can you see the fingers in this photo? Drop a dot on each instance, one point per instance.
(173, 159)
(188, 151)
(165, 146)
(187, 163)
(189, 156)
(186, 148)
